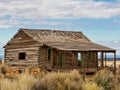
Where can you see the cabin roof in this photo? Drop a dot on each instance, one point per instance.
(64, 40)
(77, 46)
(47, 36)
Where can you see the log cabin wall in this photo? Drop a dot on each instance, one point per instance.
(75, 59)
(67, 59)
(43, 55)
(55, 58)
(70, 59)
(31, 54)
(90, 59)
(22, 43)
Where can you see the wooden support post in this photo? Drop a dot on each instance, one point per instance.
(115, 62)
(97, 60)
(60, 60)
(59, 54)
(102, 59)
(83, 67)
(105, 59)
(73, 61)
(51, 56)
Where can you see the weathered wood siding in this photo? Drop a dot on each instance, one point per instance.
(90, 59)
(31, 55)
(20, 37)
(43, 55)
(70, 59)
(22, 43)
(22, 40)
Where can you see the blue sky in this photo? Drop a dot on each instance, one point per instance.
(99, 20)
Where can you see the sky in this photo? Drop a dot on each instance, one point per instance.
(99, 20)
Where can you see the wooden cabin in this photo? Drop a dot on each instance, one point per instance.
(55, 49)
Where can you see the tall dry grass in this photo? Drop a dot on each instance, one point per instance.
(19, 82)
(50, 81)
(91, 86)
(3, 69)
(73, 80)
(105, 79)
(62, 81)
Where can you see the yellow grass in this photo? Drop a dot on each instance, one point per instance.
(60, 80)
(109, 63)
(103, 80)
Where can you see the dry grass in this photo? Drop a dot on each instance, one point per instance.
(19, 82)
(102, 80)
(109, 63)
(62, 81)
(91, 86)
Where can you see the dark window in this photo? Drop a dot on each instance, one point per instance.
(22, 56)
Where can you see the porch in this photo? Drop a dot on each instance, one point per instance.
(84, 61)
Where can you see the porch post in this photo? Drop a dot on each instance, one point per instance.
(105, 59)
(115, 62)
(60, 60)
(51, 57)
(83, 68)
(83, 64)
(102, 59)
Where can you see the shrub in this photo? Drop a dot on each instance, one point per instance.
(7, 84)
(91, 86)
(62, 81)
(3, 69)
(11, 77)
(26, 82)
(104, 78)
(23, 82)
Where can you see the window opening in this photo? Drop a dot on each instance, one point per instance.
(22, 56)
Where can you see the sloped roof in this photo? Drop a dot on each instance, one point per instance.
(75, 46)
(46, 36)
(64, 40)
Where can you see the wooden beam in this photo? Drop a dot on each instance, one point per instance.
(51, 57)
(115, 62)
(83, 67)
(105, 59)
(102, 59)
(73, 60)
(60, 59)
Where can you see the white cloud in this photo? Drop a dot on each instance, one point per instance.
(5, 26)
(38, 9)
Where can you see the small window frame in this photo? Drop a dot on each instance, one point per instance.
(22, 56)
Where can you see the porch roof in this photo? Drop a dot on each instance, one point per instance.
(77, 46)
